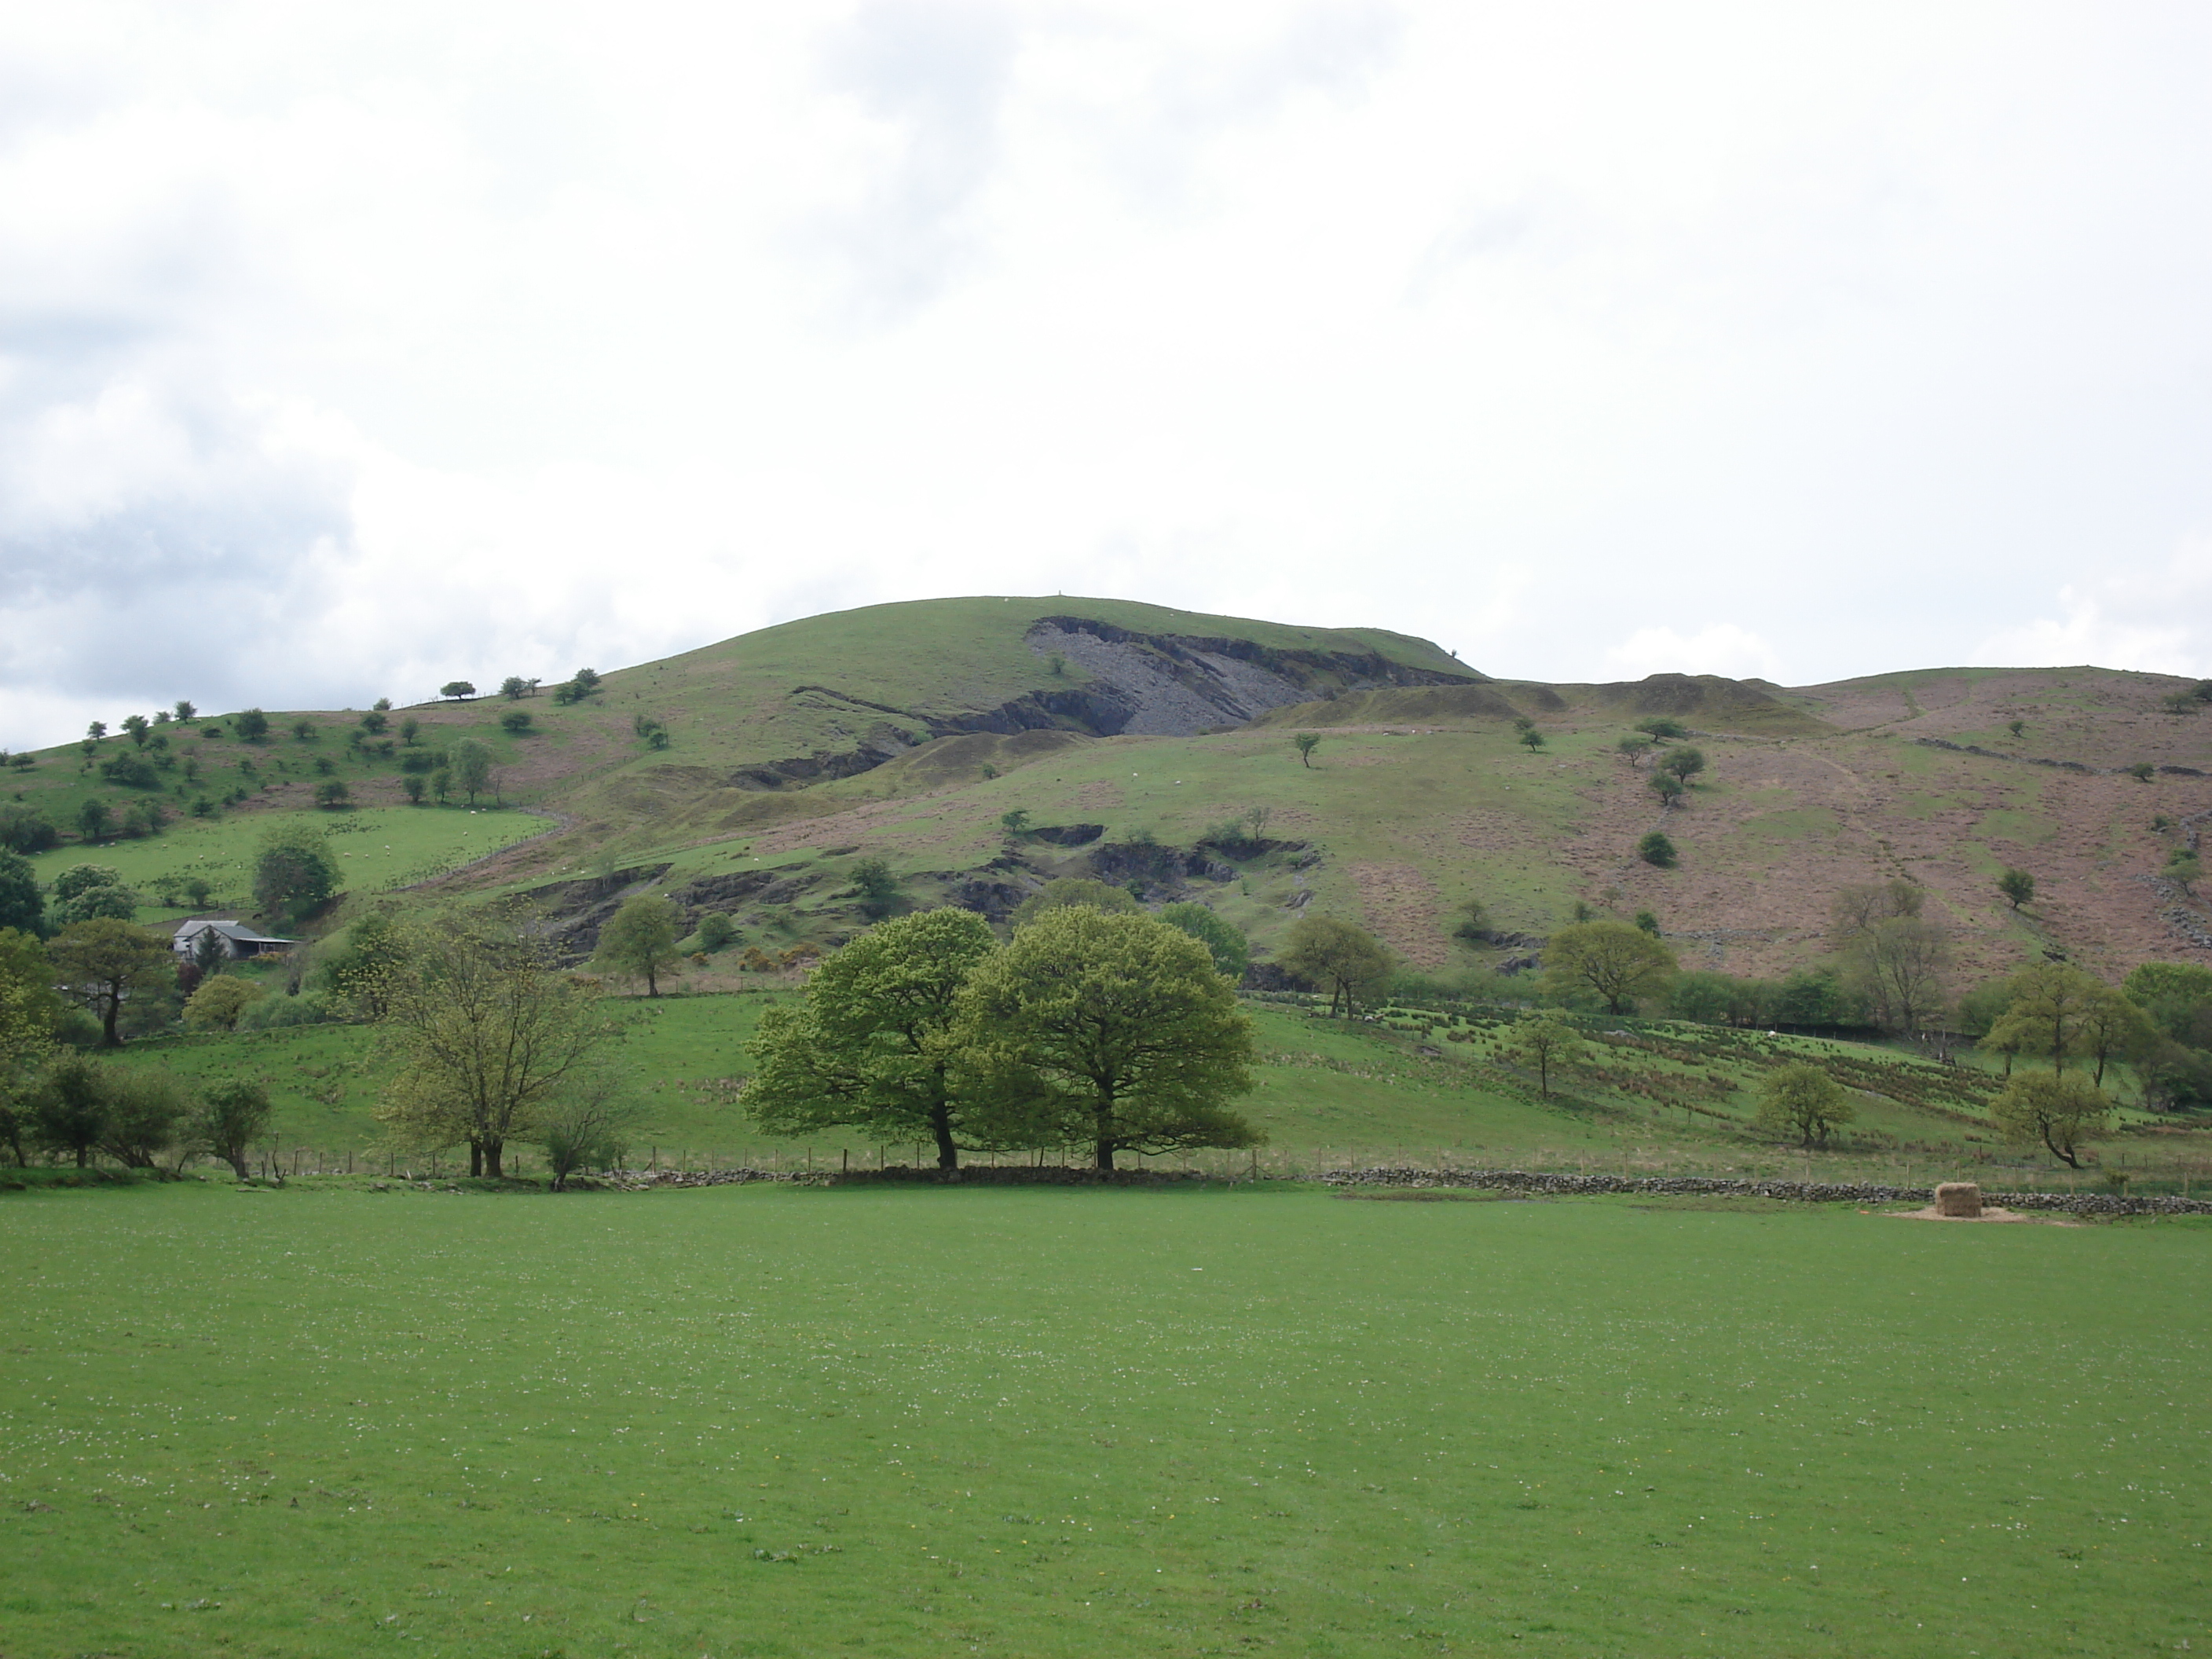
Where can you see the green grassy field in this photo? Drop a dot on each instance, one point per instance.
(1679, 1098)
(776, 1421)
(378, 849)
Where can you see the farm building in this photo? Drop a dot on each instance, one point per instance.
(237, 940)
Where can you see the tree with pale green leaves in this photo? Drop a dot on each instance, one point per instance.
(639, 940)
(1112, 1031)
(1804, 1101)
(2060, 1112)
(1345, 958)
(1611, 959)
(1541, 1040)
(468, 763)
(872, 1046)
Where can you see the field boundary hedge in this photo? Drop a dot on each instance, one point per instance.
(1806, 1192)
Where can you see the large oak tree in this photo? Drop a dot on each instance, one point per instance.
(1110, 1029)
(874, 1044)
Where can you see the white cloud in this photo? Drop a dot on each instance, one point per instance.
(413, 342)
(2158, 621)
(1721, 648)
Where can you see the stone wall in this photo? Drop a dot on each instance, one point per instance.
(1809, 1192)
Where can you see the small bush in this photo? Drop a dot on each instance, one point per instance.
(1656, 849)
(276, 1013)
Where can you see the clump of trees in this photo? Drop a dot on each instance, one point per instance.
(1096, 1025)
(1897, 960)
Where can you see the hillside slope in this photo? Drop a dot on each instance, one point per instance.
(1135, 737)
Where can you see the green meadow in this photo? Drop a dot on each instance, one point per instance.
(377, 849)
(781, 1421)
(1676, 1097)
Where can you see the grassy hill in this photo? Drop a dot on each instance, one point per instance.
(751, 775)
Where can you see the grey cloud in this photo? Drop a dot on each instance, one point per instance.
(939, 73)
(181, 553)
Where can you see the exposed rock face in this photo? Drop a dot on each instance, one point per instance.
(1144, 684)
(1068, 835)
(1169, 685)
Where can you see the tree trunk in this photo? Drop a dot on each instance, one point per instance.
(940, 1125)
(108, 1039)
(652, 984)
(494, 1151)
(476, 1156)
(83, 1156)
(237, 1162)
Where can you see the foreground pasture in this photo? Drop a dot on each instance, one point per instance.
(774, 1421)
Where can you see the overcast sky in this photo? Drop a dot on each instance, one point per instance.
(345, 349)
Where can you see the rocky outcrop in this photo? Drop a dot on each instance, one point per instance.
(1176, 685)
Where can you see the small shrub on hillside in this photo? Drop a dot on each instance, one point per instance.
(716, 931)
(1656, 849)
(516, 720)
(277, 1013)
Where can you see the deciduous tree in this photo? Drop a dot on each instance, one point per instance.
(1542, 1039)
(877, 888)
(639, 940)
(1223, 940)
(294, 873)
(1305, 743)
(874, 1044)
(218, 1002)
(69, 1110)
(1803, 1100)
(1343, 959)
(22, 906)
(230, 1117)
(1065, 890)
(488, 1030)
(469, 764)
(1617, 962)
(145, 1110)
(1903, 966)
(2050, 1005)
(101, 961)
(2018, 887)
(1114, 1030)
(2061, 1112)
